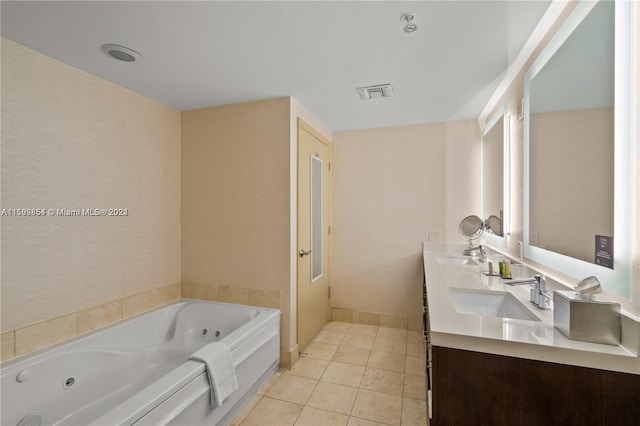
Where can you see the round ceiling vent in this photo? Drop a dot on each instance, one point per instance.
(121, 53)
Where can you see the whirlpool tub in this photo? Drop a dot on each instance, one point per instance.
(138, 372)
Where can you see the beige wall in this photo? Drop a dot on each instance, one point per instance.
(390, 187)
(71, 140)
(235, 201)
(512, 96)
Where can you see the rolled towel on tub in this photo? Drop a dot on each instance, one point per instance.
(219, 366)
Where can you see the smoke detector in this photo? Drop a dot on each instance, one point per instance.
(407, 20)
(121, 53)
(377, 91)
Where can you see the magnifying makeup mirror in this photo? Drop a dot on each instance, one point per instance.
(471, 228)
(493, 225)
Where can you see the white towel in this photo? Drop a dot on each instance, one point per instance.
(219, 366)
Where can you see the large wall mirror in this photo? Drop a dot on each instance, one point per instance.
(577, 148)
(495, 177)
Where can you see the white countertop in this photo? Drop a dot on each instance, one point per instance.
(538, 340)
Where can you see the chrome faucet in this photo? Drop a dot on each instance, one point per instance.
(539, 295)
(482, 257)
(476, 251)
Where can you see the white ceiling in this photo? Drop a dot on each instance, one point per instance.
(206, 53)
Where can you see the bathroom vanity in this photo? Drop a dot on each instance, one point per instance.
(495, 359)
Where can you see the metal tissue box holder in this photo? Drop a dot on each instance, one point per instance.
(581, 316)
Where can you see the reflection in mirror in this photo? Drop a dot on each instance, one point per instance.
(493, 224)
(495, 176)
(576, 129)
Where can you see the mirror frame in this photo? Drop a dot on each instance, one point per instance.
(506, 184)
(618, 279)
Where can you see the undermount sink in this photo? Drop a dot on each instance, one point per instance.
(456, 260)
(489, 304)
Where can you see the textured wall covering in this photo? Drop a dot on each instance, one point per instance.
(71, 140)
(391, 186)
(235, 200)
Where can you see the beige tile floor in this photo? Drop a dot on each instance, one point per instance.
(352, 374)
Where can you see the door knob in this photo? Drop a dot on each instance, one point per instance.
(304, 253)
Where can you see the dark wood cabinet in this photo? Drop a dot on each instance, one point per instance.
(473, 388)
(426, 330)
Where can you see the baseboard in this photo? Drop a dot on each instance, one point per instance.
(289, 358)
(409, 322)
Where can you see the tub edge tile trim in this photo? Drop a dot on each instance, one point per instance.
(8, 344)
(46, 333)
(99, 316)
(65, 327)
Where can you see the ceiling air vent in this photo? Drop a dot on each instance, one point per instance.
(377, 91)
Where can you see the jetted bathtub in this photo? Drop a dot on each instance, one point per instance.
(138, 372)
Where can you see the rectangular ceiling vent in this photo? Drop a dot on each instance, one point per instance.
(377, 91)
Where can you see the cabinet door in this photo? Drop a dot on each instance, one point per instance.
(473, 388)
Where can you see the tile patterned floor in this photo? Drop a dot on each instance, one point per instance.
(352, 374)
